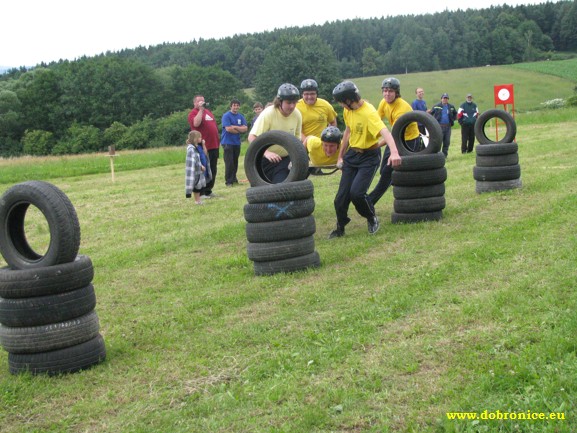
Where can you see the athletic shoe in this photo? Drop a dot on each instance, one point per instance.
(373, 224)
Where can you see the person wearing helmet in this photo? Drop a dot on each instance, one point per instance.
(323, 150)
(317, 113)
(391, 107)
(282, 115)
(359, 156)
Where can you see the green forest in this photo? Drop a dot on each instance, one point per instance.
(138, 98)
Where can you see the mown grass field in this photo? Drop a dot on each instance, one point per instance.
(472, 313)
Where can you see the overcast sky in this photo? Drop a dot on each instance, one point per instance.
(37, 31)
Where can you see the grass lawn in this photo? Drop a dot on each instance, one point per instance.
(470, 314)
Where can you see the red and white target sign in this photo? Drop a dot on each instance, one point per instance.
(504, 94)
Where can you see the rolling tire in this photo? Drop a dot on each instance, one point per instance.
(420, 205)
(293, 264)
(419, 178)
(413, 192)
(496, 149)
(284, 230)
(502, 185)
(485, 116)
(276, 211)
(397, 218)
(270, 251)
(280, 192)
(432, 126)
(497, 160)
(67, 360)
(294, 147)
(49, 337)
(421, 162)
(60, 215)
(506, 172)
(47, 280)
(42, 310)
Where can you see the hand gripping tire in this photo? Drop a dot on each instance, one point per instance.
(255, 154)
(435, 137)
(485, 116)
(60, 215)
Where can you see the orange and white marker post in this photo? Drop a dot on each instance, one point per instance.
(112, 154)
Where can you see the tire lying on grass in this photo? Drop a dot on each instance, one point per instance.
(270, 251)
(292, 264)
(255, 154)
(435, 137)
(495, 113)
(60, 216)
(493, 186)
(397, 218)
(505, 172)
(419, 205)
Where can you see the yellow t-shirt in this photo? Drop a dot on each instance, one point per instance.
(317, 154)
(316, 117)
(272, 119)
(364, 124)
(393, 111)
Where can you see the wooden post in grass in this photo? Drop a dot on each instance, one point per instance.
(112, 154)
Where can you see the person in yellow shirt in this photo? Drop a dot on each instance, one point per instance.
(323, 151)
(391, 107)
(317, 113)
(359, 156)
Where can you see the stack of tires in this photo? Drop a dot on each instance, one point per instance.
(280, 225)
(419, 182)
(48, 324)
(497, 162)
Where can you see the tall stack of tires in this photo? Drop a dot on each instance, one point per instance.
(280, 225)
(419, 182)
(497, 162)
(48, 323)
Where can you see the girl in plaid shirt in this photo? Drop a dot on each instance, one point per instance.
(195, 178)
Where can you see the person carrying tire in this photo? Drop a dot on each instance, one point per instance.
(467, 117)
(359, 156)
(391, 107)
(281, 116)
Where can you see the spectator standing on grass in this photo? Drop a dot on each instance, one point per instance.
(467, 116)
(194, 178)
(359, 156)
(256, 109)
(391, 107)
(282, 115)
(233, 125)
(202, 120)
(445, 114)
(419, 104)
(317, 113)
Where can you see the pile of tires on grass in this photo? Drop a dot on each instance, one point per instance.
(48, 323)
(280, 222)
(497, 162)
(419, 182)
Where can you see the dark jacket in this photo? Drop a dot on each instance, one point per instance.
(437, 110)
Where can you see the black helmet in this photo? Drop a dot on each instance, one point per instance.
(345, 91)
(331, 134)
(288, 92)
(391, 83)
(309, 84)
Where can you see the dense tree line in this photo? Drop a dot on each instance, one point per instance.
(139, 97)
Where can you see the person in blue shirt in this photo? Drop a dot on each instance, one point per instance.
(233, 125)
(445, 114)
(419, 104)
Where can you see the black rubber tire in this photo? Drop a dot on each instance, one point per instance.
(47, 280)
(419, 205)
(496, 149)
(419, 178)
(497, 160)
(485, 116)
(280, 210)
(49, 337)
(412, 192)
(280, 192)
(432, 126)
(68, 360)
(267, 251)
(293, 264)
(60, 216)
(397, 218)
(43, 310)
(502, 185)
(506, 172)
(285, 230)
(296, 152)
(422, 162)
